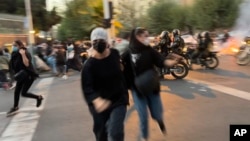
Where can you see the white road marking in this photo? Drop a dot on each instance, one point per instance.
(23, 126)
(223, 89)
(2, 113)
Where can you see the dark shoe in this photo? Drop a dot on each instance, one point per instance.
(39, 101)
(162, 127)
(12, 111)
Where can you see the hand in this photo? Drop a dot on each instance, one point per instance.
(22, 51)
(101, 104)
(170, 62)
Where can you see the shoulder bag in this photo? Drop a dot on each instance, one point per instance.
(146, 82)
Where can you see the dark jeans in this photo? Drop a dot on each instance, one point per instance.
(109, 125)
(3, 77)
(23, 87)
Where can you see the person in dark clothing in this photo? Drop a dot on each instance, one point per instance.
(165, 42)
(73, 61)
(21, 60)
(178, 42)
(139, 59)
(205, 43)
(84, 54)
(4, 68)
(226, 36)
(61, 61)
(104, 89)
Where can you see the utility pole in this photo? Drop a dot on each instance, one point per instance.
(31, 31)
(106, 15)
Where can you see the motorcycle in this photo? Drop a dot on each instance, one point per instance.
(209, 60)
(243, 56)
(179, 71)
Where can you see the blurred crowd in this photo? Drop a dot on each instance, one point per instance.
(56, 57)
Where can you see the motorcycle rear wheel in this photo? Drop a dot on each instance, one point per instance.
(182, 70)
(212, 62)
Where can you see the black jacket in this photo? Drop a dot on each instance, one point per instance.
(143, 58)
(103, 78)
(17, 64)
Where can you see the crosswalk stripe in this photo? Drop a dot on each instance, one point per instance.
(223, 89)
(22, 127)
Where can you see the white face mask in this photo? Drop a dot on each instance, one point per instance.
(146, 41)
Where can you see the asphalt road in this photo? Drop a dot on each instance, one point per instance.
(198, 108)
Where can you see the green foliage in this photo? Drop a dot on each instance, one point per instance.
(42, 19)
(214, 14)
(203, 15)
(80, 18)
(166, 16)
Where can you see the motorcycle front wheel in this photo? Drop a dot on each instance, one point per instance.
(180, 70)
(243, 61)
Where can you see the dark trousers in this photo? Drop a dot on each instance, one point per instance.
(3, 77)
(61, 68)
(74, 64)
(109, 125)
(23, 87)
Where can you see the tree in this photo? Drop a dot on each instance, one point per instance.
(130, 14)
(214, 14)
(165, 16)
(203, 15)
(42, 19)
(80, 18)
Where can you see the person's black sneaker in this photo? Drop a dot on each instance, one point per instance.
(39, 101)
(162, 127)
(12, 111)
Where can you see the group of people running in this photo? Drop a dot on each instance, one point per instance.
(62, 56)
(106, 78)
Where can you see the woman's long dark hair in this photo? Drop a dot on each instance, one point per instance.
(19, 43)
(134, 43)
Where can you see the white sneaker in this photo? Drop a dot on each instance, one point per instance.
(65, 77)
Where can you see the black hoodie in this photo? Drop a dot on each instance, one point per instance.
(17, 64)
(143, 58)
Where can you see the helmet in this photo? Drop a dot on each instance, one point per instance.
(205, 34)
(164, 34)
(176, 32)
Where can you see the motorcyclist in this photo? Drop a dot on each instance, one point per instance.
(204, 44)
(164, 43)
(178, 43)
(226, 36)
